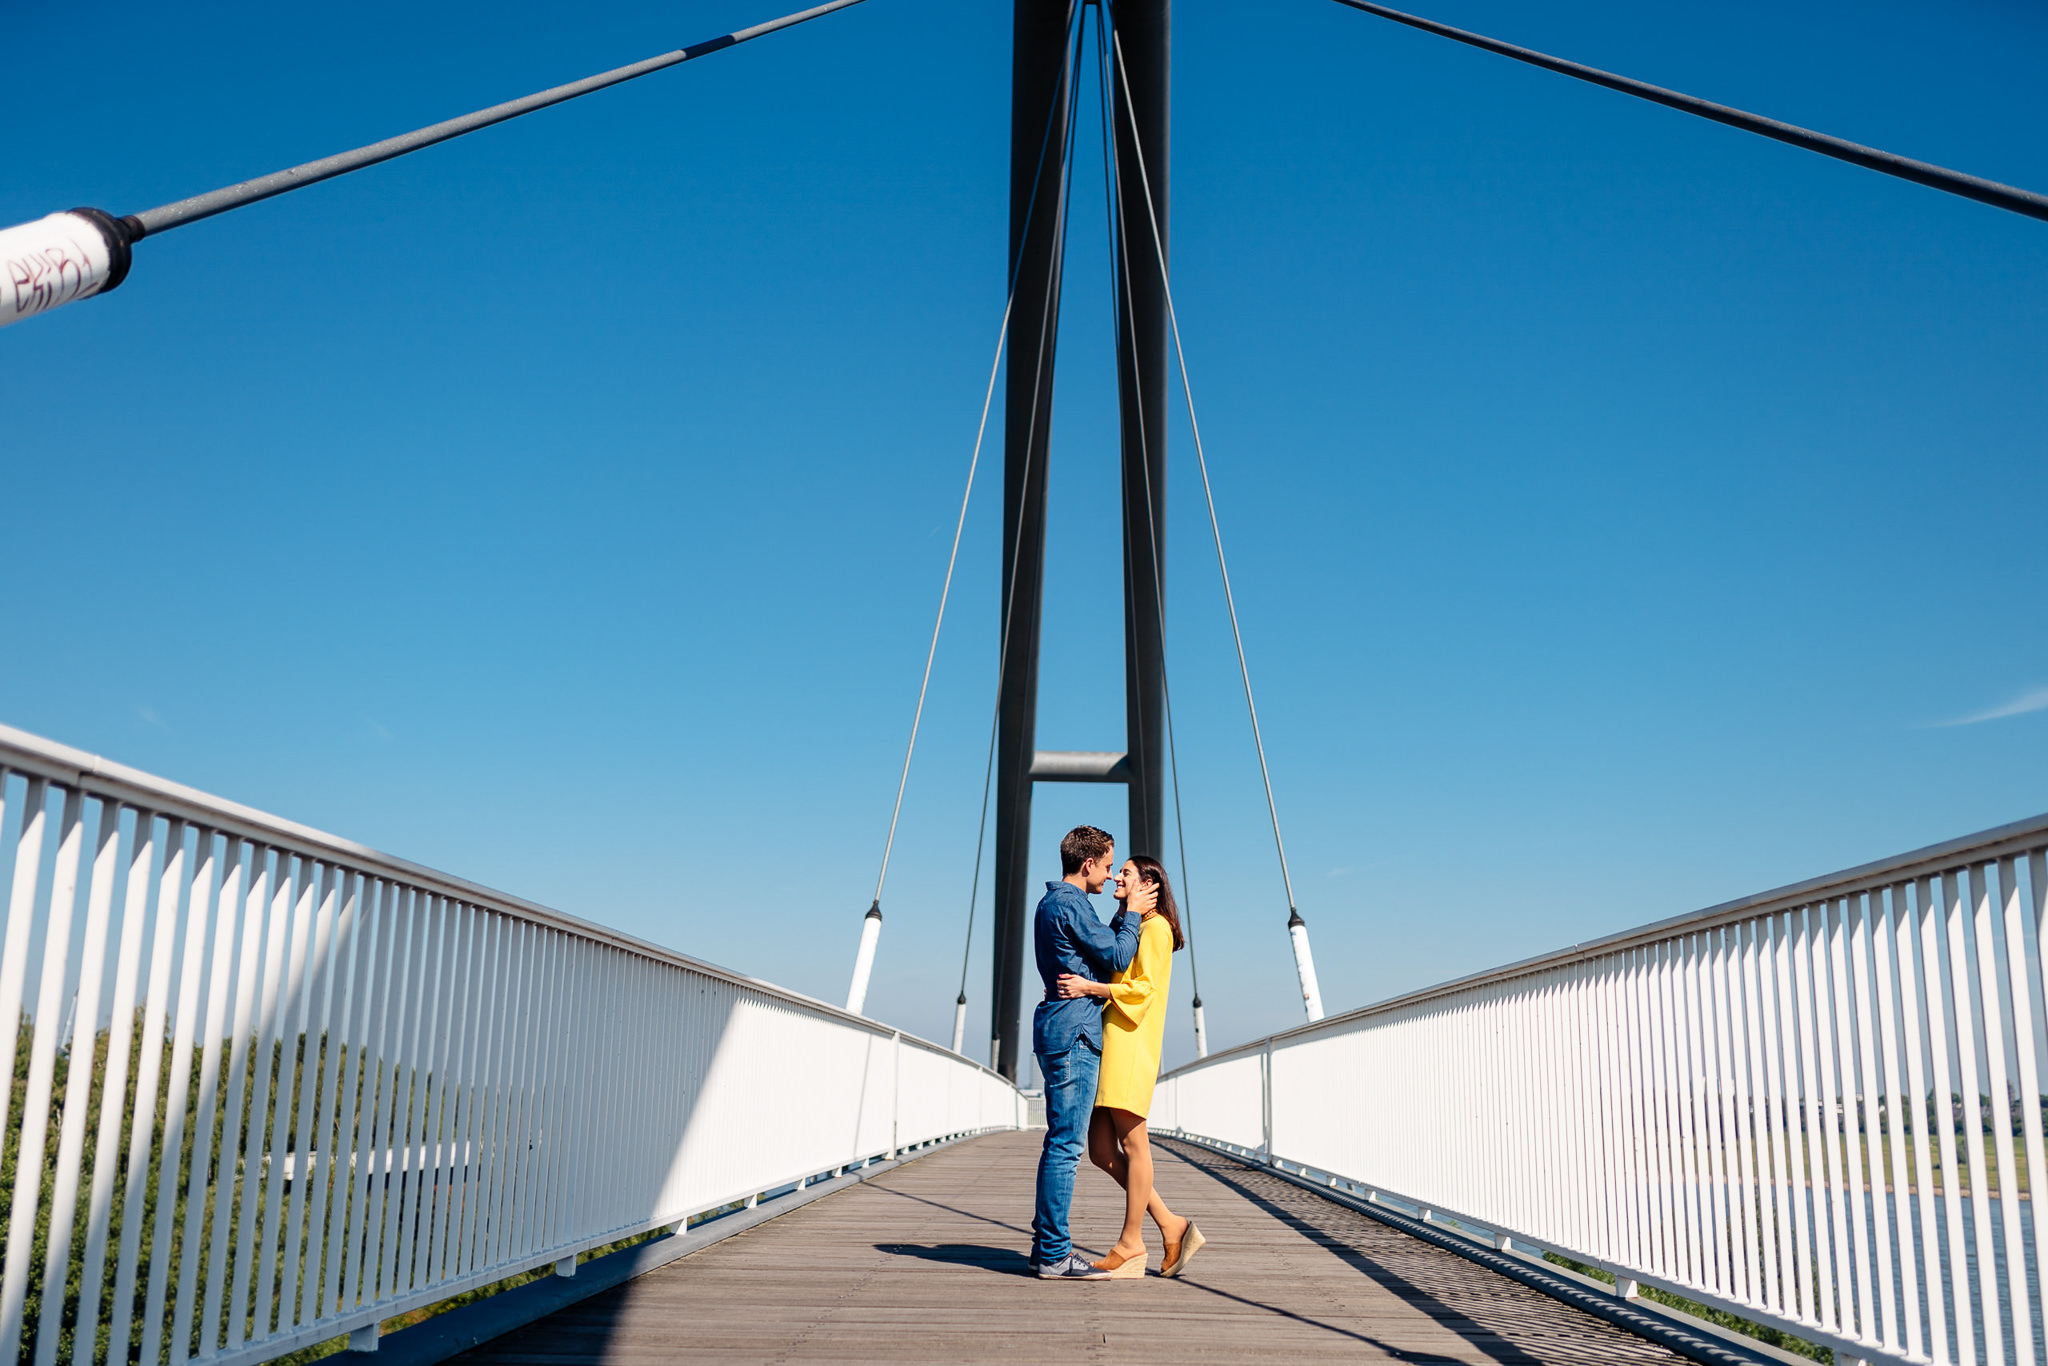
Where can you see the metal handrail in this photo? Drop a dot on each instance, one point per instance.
(246, 1009)
(102, 777)
(1981, 847)
(1814, 1108)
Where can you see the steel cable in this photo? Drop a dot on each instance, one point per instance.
(191, 210)
(1113, 194)
(1202, 462)
(1070, 68)
(1984, 191)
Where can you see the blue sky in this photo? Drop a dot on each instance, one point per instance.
(1626, 513)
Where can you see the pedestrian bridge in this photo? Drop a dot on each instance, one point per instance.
(273, 1089)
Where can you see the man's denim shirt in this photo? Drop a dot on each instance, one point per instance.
(1068, 937)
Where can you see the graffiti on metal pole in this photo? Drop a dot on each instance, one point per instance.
(51, 262)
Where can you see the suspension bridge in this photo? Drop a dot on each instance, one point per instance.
(277, 1094)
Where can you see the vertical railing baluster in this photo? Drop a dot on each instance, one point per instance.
(113, 1079)
(322, 1247)
(1787, 941)
(1649, 1198)
(275, 1295)
(549, 1151)
(72, 1115)
(2023, 917)
(1685, 1079)
(1588, 1198)
(1887, 909)
(1679, 1251)
(396, 1100)
(1686, 1148)
(1994, 1013)
(270, 898)
(28, 853)
(1995, 889)
(1824, 1119)
(271, 1105)
(229, 1005)
(535, 1017)
(1880, 1318)
(1731, 1243)
(1964, 887)
(452, 1164)
(478, 1219)
(424, 1005)
(1713, 1173)
(1731, 1039)
(440, 1004)
(1510, 1008)
(320, 890)
(28, 849)
(501, 1243)
(348, 1124)
(1844, 1119)
(1909, 910)
(38, 1094)
(1809, 987)
(359, 1286)
(1620, 1233)
(1935, 914)
(581, 956)
(199, 917)
(1757, 1128)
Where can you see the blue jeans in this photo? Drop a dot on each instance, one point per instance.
(1069, 1100)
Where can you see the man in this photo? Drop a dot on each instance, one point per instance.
(1066, 1035)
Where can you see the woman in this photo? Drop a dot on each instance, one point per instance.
(1133, 1028)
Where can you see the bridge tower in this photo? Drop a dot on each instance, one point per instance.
(1041, 89)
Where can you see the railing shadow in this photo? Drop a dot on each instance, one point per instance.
(1488, 1339)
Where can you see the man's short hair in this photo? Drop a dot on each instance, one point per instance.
(1083, 842)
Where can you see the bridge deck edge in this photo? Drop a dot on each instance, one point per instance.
(1684, 1333)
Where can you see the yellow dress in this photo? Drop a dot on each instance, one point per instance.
(1134, 1022)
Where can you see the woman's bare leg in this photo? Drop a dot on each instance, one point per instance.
(1106, 1150)
(1140, 1196)
(1102, 1145)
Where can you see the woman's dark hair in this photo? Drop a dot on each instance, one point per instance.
(1150, 870)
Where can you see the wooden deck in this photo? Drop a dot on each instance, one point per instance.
(927, 1263)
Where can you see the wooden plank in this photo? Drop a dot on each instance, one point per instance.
(927, 1263)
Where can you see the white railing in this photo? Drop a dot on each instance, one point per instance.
(461, 1085)
(1732, 1106)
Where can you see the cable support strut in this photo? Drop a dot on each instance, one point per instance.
(86, 252)
(1297, 928)
(1984, 191)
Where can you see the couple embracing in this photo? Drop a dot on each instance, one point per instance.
(1097, 1035)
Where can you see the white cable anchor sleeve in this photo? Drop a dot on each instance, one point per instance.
(1305, 968)
(864, 960)
(59, 259)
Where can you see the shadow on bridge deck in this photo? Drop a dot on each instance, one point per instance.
(927, 1263)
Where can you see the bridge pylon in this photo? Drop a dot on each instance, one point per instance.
(1041, 91)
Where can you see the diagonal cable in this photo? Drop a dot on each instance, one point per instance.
(2028, 202)
(1120, 266)
(945, 592)
(191, 210)
(952, 559)
(1070, 68)
(1202, 462)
